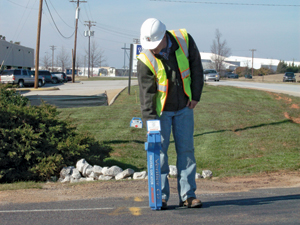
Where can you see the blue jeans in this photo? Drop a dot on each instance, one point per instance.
(182, 124)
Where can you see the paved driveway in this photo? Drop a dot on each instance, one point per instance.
(83, 88)
(289, 88)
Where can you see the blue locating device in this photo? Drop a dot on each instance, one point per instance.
(153, 147)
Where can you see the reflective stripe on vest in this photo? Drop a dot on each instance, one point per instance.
(182, 40)
(157, 68)
(153, 64)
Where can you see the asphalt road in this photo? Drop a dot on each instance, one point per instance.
(260, 206)
(288, 88)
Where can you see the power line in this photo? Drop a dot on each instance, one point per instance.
(56, 25)
(226, 3)
(21, 5)
(60, 16)
(115, 32)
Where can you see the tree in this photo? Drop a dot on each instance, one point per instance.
(281, 67)
(63, 58)
(46, 61)
(220, 51)
(97, 57)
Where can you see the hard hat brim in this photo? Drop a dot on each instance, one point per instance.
(150, 45)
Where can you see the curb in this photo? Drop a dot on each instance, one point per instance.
(36, 89)
(115, 97)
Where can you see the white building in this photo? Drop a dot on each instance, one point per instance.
(233, 62)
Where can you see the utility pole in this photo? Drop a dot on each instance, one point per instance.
(125, 52)
(37, 54)
(89, 33)
(136, 40)
(52, 47)
(253, 50)
(75, 41)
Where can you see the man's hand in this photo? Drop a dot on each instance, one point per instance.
(192, 104)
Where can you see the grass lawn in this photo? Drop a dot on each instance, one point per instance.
(237, 131)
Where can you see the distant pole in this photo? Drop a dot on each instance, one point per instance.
(136, 40)
(125, 56)
(89, 33)
(37, 54)
(75, 40)
(52, 47)
(130, 67)
(253, 50)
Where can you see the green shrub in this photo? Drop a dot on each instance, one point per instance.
(35, 144)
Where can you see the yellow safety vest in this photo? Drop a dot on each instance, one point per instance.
(157, 68)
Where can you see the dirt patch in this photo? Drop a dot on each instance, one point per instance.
(139, 188)
(295, 106)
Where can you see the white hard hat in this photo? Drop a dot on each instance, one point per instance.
(152, 32)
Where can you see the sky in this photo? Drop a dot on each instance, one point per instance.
(272, 27)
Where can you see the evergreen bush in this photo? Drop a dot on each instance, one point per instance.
(35, 144)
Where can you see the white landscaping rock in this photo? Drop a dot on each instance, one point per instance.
(139, 175)
(102, 177)
(66, 171)
(93, 176)
(97, 170)
(124, 174)
(80, 164)
(87, 170)
(173, 171)
(198, 176)
(104, 170)
(75, 173)
(74, 180)
(112, 171)
(66, 179)
(207, 174)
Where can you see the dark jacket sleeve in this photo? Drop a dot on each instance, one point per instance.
(196, 70)
(147, 86)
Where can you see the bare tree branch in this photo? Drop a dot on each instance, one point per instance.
(220, 51)
(46, 61)
(97, 57)
(63, 58)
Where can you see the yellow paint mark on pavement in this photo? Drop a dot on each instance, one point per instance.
(138, 199)
(135, 211)
(119, 211)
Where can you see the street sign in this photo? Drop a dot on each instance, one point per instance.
(137, 49)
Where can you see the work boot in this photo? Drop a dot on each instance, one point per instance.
(164, 204)
(191, 203)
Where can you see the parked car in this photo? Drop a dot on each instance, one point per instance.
(248, 76)
(20, 77)
(233, 76)
(211, 75)
(69, 77)
(46, 74)
(59, 77)
(289, 76)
